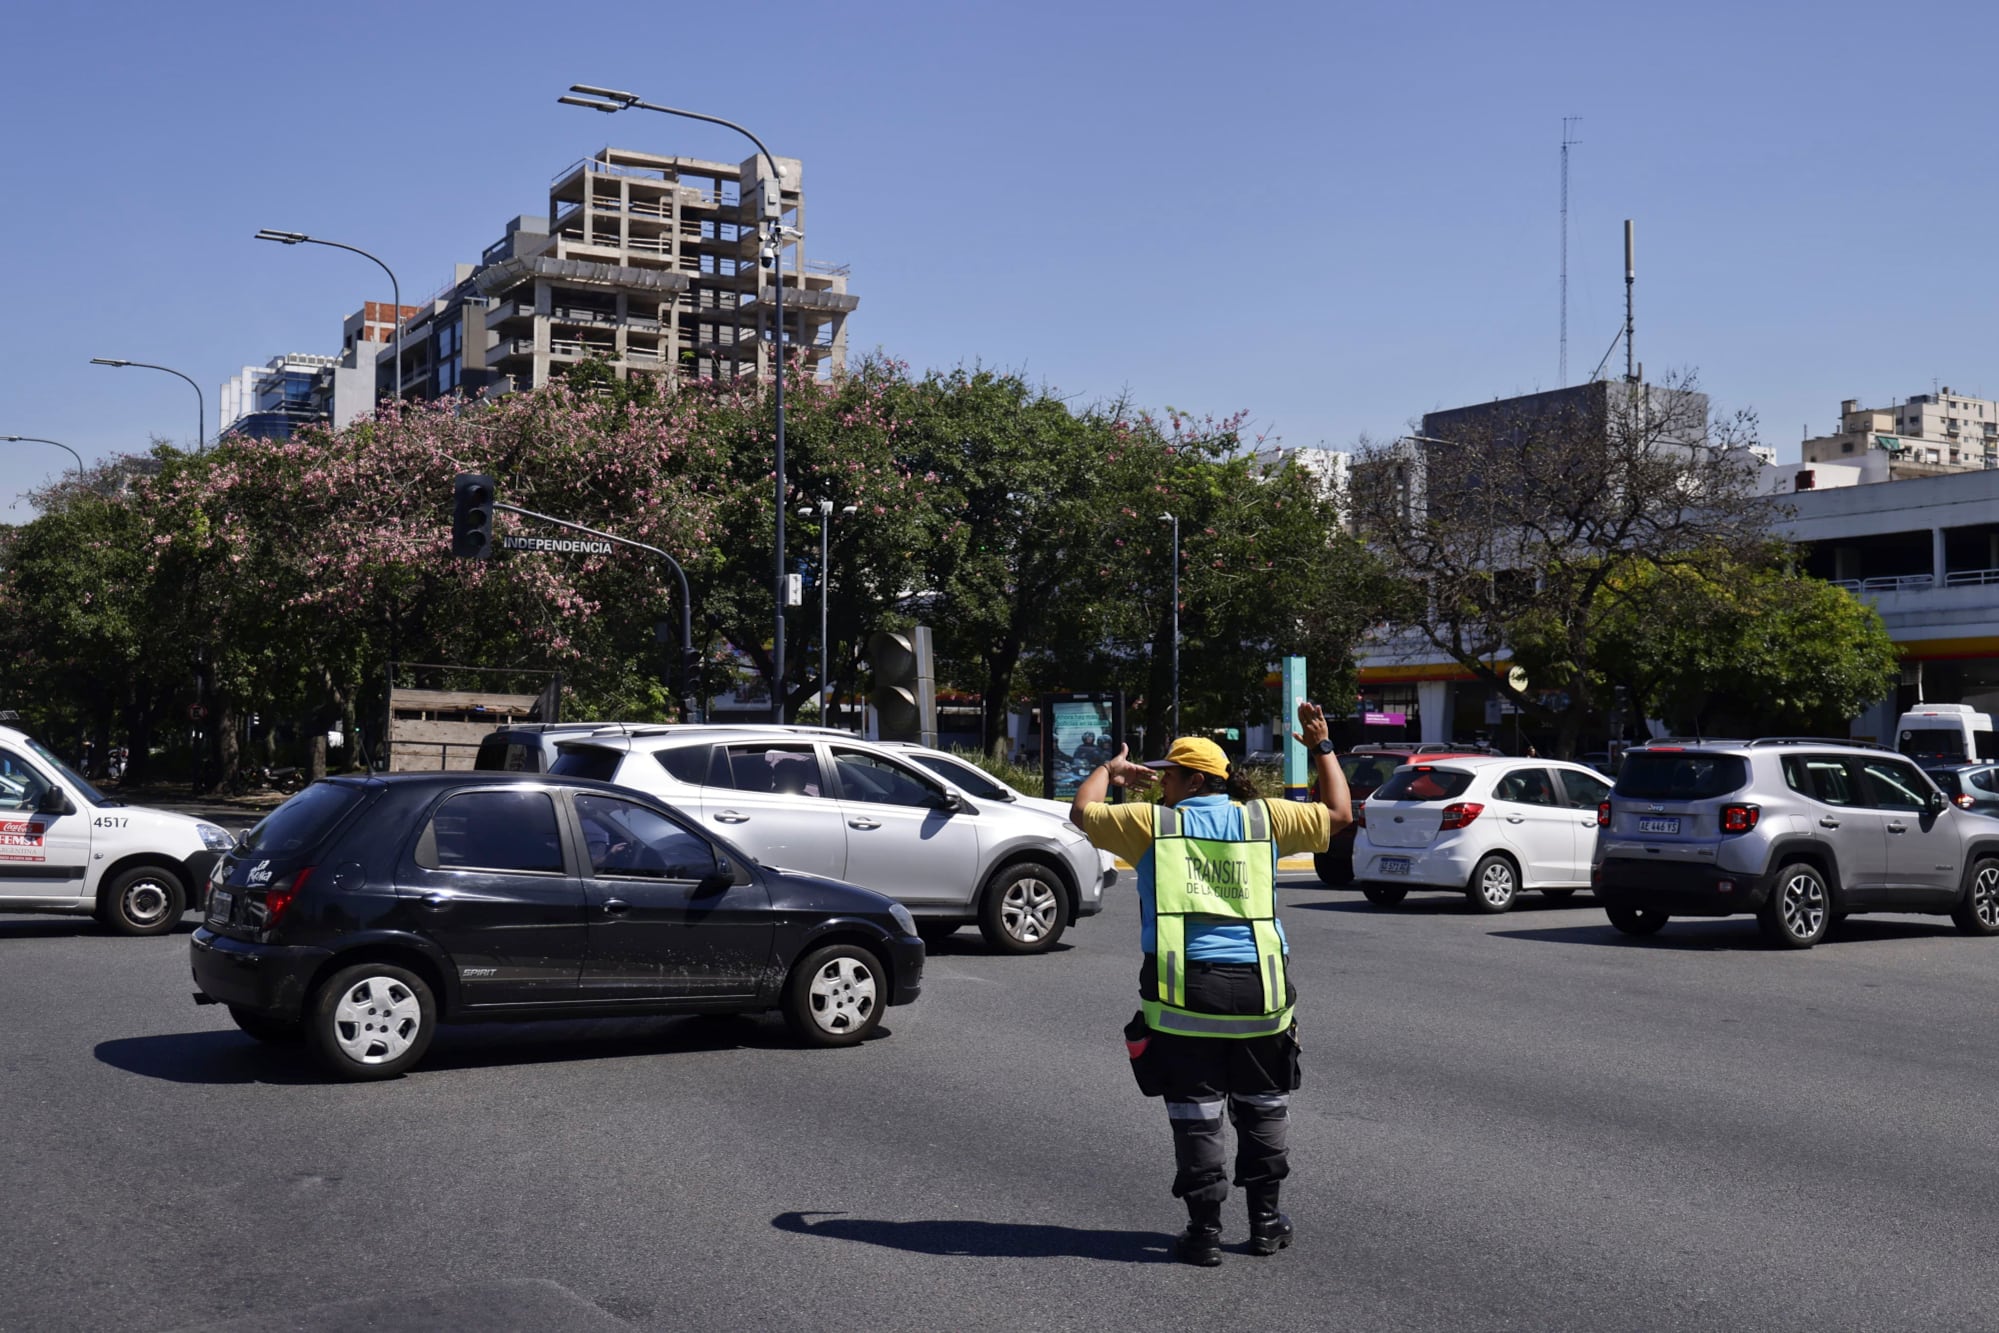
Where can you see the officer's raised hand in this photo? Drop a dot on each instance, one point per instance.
(1124, 773)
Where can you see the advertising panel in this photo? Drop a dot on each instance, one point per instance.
(1078, 732)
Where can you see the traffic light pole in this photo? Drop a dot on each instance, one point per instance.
(694, 706)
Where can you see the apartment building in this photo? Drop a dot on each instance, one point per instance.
(272, 400)
(1928, 435)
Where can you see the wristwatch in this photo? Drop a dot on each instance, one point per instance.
(1323, 747)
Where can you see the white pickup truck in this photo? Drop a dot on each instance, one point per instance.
(67, 847)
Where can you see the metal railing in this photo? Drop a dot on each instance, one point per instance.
(1971, 578)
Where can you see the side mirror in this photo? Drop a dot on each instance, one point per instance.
(55, 801)
(727, 872)
(1938, 801)
(947, 801)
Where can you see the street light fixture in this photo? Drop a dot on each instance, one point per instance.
(396, 288)
(825, 511)
(610, 100)
(36, 439)
(200, 402)
(1174, 519)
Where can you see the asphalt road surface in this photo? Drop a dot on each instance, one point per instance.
(1522, 1122)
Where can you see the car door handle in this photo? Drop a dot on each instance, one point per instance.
(731, 817)
(1590, 822)
(1898, 828)
(1827, 821)
(436, 902)
(616, 905)
(1516, 819)
(862, 823)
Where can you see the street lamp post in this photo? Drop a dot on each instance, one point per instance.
(825, 511)
(395, 288)
(1174, 519)
(200, 401)
(609, 101)
(36, 439)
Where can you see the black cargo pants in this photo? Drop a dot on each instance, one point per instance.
(1251, 1078)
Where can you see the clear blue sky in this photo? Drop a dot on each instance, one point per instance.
(1333, 217)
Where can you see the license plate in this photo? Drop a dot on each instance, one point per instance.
(1393, 865)
(219, 903)
(1668, 825)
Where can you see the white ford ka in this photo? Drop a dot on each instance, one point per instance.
(1487, 827)
(67, 847)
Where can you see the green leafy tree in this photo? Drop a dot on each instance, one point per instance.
(1722, 646)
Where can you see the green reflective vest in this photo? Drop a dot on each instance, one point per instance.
(1215, 880)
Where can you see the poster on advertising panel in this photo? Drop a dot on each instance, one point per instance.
(1078, 732)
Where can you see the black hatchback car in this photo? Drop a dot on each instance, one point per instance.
(366, 911)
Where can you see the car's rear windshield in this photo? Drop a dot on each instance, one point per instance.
(1365, 772)
(1424, 783)
(1672, 775)
(585, 761)
(300, 823)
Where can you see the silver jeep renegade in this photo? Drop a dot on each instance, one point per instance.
(1798, 831)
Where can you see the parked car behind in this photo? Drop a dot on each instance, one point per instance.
(1799, 832)
(1485, 827)
(1973, 787)
(365, 912)
(67, 847)
(831, 805)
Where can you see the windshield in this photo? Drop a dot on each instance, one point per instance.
(47, 756)
(1671, 775)
(971, 779)
(1933, 743)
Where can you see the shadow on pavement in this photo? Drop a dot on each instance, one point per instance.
(65, 925)
(228, 1056)
(968, 943)
(1724, 934)
(987, 1240)
(1444, 902)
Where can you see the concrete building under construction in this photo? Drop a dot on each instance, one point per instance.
(649, 264)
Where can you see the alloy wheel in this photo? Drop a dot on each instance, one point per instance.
(1496, 884)
(1803, 905)
(376, 1020)
(1985, 896)
(842, 995)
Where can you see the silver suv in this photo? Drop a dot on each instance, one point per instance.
(1799, 831)
(829, 804)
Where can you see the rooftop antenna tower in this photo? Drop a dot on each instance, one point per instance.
(1630, 276)
(1567, 142)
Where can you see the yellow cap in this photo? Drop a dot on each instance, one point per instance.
(1195, 752)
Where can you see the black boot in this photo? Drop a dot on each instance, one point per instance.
(1269, 1230)
(1201, 1243)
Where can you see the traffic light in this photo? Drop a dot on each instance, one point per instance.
(905, 694)
(472, 516)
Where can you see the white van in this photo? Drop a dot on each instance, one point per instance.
(1945, 734)
(67, 847)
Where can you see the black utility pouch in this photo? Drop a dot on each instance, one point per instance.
(1292, 1051)
(1140, 1045)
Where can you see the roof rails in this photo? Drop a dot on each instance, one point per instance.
(1687, 740)
(1848, 742)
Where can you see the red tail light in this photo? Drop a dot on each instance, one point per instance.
(1460, 813)
(1360, 814)
(1740, 818)
(279, 896)
(1965, 802)
(1603, 814)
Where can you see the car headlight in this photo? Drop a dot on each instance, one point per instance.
(213, 838)
(903, 920)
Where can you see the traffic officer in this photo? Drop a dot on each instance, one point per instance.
(1215, 1028)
